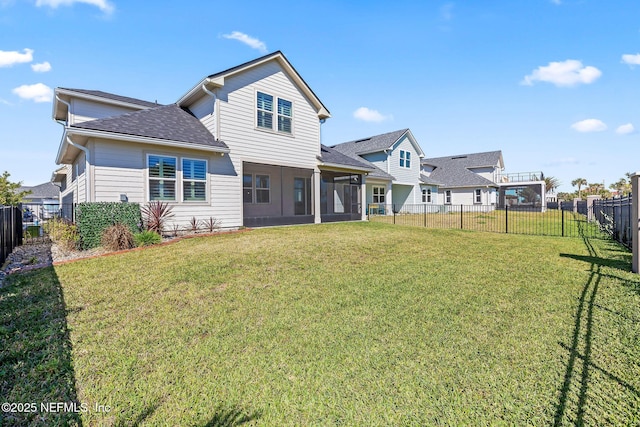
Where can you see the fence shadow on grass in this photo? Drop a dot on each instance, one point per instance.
(35, 349)
(225, 416)
(581, 369)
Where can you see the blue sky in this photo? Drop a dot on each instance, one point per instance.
(554, 84)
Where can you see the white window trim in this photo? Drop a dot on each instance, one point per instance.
(178, 180)
(205, 180)
(383, 194)
(477, 193)
(429, 195)
(447, 197)
(405, 159)
(275, 115)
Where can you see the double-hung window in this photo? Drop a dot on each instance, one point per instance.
(162, 177)
(426, 195)
(265, 111)
(256, 190)
(447, 197)
(268, 105)
(477, 196)
(194, 180)
(405, 159)
(378, 194)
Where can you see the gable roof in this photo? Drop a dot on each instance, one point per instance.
(330, 157)
(60, 106)
(168, 124)
(371, 144)
(454, 171)
(217, 80)
(46, 190)
(110, 96)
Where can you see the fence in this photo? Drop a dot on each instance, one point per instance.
(488, 218)
(10, 230)
(615, 217)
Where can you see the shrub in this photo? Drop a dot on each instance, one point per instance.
(93, 218)
(62, 232)
(156, 215)
(194, 224)
(147, 238)
(212, 224)
(117, 237)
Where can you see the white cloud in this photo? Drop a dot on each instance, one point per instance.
(43, 67)
(10, 58)
(248, 40)
(568, 73)
(367, 115)
(589, 125)
(38, 92)
(103, 5)
(631, 59)
(446, 11)
(625, 129)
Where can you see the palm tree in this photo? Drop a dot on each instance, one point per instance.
(551, 183)
(579, 182)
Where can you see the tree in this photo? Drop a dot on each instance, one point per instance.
(579, 182)
(9, 194)
(623, 185)
(551, 183)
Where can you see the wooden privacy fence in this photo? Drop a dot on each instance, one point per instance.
(10, 230)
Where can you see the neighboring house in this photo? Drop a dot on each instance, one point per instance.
(43, 201)
(394, 158)
(478, 179)
(242, 146)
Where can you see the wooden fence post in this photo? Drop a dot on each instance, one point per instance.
(635, 222)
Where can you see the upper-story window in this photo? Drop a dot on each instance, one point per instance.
(405, 159)
(265, 111)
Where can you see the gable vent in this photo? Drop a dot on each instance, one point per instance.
(458, 157)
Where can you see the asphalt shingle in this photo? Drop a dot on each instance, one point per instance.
(168, 122)
(114, 97)
(453, 171)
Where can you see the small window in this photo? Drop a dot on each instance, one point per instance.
(378, 194)
(265, 111)
(162, 177)
(424, 196)
(405, 159)
(194, 180)
(285, 113)
(447, 197)
(428, 195)
(477, 196)
(262, 189)
(247, 188)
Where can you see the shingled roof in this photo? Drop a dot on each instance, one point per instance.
(370, 144)
(112, 96)
(331, 156)
(454, 171)
(168, 122)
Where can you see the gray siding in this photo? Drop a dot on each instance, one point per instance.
(83, 110)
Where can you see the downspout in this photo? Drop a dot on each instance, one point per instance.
(86, 167)
(213, 110)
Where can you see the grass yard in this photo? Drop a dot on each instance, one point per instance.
(548, 223)
(335, 324)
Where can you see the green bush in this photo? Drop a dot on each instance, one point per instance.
(147, 238)
(93, 218)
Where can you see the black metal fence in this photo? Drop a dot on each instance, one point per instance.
(550, 222)
(614, 215)
(10, 230)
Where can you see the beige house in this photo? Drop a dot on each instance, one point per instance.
(242, 146)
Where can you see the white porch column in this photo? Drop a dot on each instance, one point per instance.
(363, 198)
(316, 197)
(635, 222)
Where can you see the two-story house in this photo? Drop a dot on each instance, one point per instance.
(395, 161)
(242, 146)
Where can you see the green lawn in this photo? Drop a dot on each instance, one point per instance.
(336, 324)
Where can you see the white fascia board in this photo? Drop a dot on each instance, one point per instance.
(102, 99)
(218, 82)
(343, 167)
(133, 138)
